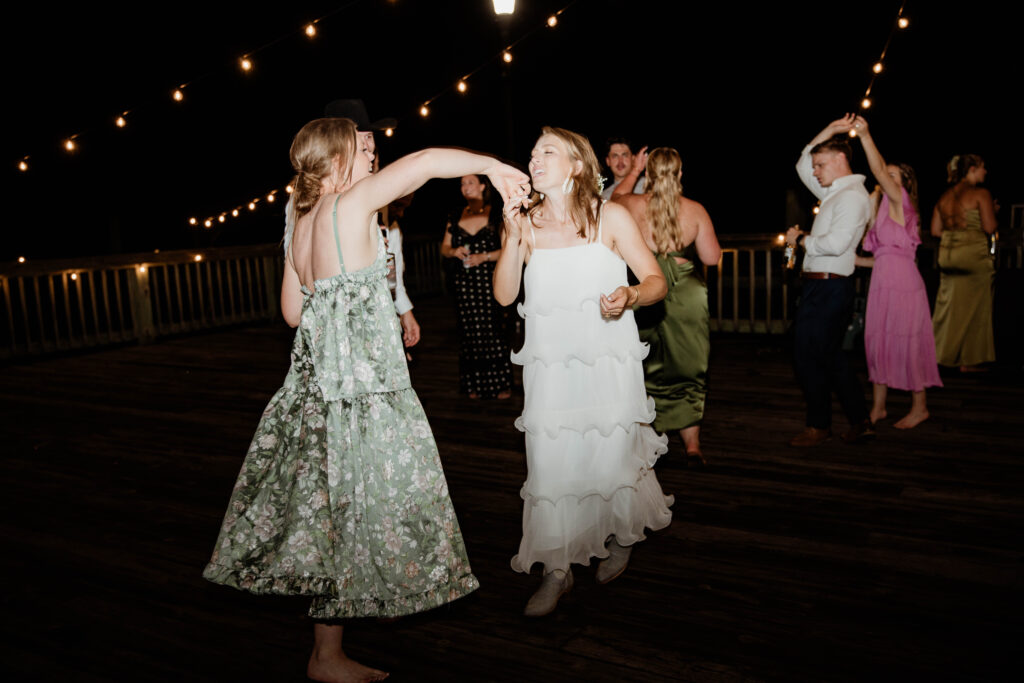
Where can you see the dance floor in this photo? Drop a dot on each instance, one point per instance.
(898, 560)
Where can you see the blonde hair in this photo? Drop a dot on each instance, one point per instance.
(664, 189)
(584, 200)
(312, 154)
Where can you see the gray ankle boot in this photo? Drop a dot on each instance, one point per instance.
(611, 567)
(546, 598)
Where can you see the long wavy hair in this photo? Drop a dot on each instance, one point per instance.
(908, 179)
(664, 189)
(312, 154)
(584, 200)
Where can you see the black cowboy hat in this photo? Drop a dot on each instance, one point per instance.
(356, 111)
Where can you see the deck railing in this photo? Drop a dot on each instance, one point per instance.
(49, 306)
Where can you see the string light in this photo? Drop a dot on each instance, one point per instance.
(208, 223)
(192, 221)
(553, 21)
(507, 56)
(877, 68)
(142, 269)
(234, 213)
(461, 87)
(270, 197)
(197, 258)
(816, 210)
(74, 276)
(246, 64)
(120, 121)
(289, 189)
(21, 259)
(780, 238)
(903, 22)
(70, 145)
(23, 164)
(388, 132)
(865, 103)
(252, 206)
(178, 95)
(311, 30)
(221, 218)
(424, 110)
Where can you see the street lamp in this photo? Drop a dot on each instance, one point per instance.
(504, 6)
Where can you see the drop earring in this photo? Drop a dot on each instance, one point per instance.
(568, 185)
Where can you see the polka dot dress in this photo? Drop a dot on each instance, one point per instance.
(484, 365)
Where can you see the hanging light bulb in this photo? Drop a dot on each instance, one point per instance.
(120, 121)
(389, 132)
(289, 189)
(23, 164)
(865, 103)
(142, 269)
(311, 30)
(21, 259)
(234, 213)
(553, 20)
(903, 22)
(74, 276)
(780, 238)
(507, 56)
(192, 221)
(877, 68)
(70, 145)
(178, 95)
(252, 206)
(197, 258)
(208, 223)
(816, 210)
(424, 110)
(245, 63)
(461, 86)
(270, 197)
(221, 218)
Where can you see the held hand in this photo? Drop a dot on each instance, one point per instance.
(508, 181)
(860, 125)
(640, 161)
(474, 260)
(842, 125)
(792, 235)
(410, 329)
(615, 303)
(460, 253)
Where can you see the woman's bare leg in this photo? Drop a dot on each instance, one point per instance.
(918, 412)
(330, 664)
(879, 393)
(691, 443)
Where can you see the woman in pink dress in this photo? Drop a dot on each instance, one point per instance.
(898, 336)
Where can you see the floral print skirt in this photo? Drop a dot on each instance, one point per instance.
(345, 501)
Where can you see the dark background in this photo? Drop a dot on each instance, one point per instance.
(737, 88)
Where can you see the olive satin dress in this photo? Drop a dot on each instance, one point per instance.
(677, 329)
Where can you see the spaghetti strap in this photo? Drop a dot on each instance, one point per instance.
(334, 224)
(600, 218)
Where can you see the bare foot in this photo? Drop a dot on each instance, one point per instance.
(502, 395)
(877, 414)
(338, 668)
(912, 419)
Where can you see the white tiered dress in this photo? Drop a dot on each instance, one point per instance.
(589, 445)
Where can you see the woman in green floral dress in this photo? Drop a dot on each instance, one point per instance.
(341, 495)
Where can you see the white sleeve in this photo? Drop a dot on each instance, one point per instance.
(849, 215)
(805, 169)
(402, 302)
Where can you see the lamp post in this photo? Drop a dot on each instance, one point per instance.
(504, 9)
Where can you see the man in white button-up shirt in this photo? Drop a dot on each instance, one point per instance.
(827, 297)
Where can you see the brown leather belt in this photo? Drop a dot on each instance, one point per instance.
(819, 276)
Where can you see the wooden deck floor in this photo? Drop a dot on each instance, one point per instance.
(900, 560)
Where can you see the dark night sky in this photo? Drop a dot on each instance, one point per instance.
(737, 89)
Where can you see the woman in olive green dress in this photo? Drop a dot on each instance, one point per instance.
(964, 218)
(679, 232)
(341, 496)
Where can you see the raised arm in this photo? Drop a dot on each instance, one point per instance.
(508, 271)
(629, 182)
(411, 171)
(876, 163)
(805, 165)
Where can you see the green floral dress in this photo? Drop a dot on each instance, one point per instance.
(341, 495)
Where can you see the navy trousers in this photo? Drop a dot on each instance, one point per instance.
(821, 364)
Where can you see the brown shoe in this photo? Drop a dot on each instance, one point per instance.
(811, 436)
(860, 433)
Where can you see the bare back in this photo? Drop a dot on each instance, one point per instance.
(690, 218)
(314, 250)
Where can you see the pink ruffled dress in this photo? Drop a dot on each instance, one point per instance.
(898, 337)
(590, 448)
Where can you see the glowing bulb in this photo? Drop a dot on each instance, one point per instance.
(289, 189)
(903, 22)
(310, 30)
(69, 145)
(22, 165)
(270, 197)
(246, 64)
(21, 259)
(865, 103)
(504, 6)
(877, 68)
(221, 218)
(120, 122)
(252, 206)
(74, 276)
(507, 56)
(192, 221)
(208, 223)
(234, 213)
(780, 238)
(461, 87)
(424, 111)
(852, 133)
(389, 132)
(197, 258)
(816, 210)
(553, 21)
(178, 95)
(142, 269)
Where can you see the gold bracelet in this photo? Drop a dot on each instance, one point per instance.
(637, 292)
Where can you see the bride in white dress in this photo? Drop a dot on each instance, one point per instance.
(590, 490)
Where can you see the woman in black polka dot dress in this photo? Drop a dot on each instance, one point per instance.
(485, 370)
